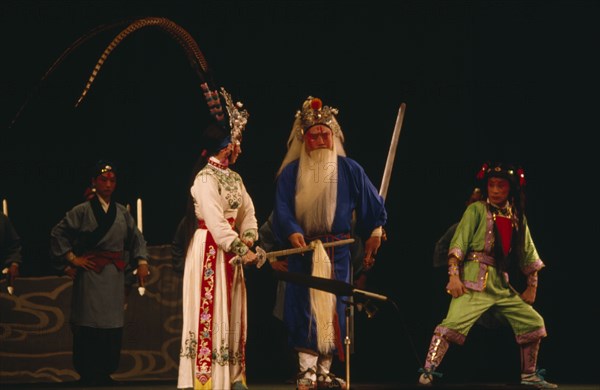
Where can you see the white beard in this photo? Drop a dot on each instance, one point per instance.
(316, 190)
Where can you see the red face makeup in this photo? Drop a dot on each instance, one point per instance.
(318, 137)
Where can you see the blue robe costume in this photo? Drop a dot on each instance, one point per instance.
(356, 194)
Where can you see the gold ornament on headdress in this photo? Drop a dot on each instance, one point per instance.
(106, 168)
(314, 113)
(238, 118)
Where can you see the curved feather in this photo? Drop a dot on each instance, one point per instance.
(70, 49)
(181, 36)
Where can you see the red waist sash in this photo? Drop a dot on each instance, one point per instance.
(202, 224)
(101, 259)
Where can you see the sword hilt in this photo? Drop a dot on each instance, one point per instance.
(261, 255)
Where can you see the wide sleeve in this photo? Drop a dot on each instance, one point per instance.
(246, 218)
(370, 207)
(66, 231)
(205, 192)
(284, 214)
(465, 231)
(531, 261)
(64, 235)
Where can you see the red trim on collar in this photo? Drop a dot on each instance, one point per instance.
(217, 165)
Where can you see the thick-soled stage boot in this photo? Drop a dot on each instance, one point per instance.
(530, 375)
(437, 349)
(325, 379)
(307, 377)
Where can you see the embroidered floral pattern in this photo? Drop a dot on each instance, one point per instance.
(225, 355)
(221, 355)
(190, 346)
(230, 185)
(237, 357)
(250, 235)
(204, 345)
(238, 247)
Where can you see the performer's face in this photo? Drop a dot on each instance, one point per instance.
(105, 185)
(498, 190)
(318, 137)
(223, 155)
(235, 153)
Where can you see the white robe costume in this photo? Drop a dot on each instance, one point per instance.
(214, 294)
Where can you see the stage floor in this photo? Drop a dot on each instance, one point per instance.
(170, 385)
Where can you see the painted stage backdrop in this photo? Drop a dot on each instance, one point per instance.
(35, 338)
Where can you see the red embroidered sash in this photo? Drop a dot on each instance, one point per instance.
(204, 350)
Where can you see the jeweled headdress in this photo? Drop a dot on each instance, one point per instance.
(515, 175)
(238, 117)
(314, 113)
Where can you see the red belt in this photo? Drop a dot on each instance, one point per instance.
(103, 258)
(202, 224)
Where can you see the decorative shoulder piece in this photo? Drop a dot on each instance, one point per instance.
(314, 113)
(238, 117)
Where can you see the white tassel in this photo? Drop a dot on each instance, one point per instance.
(322, 303)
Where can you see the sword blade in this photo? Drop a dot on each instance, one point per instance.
(308, 248)
(262, 256)
(387, 173)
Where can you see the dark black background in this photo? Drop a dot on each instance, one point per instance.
(499, 80)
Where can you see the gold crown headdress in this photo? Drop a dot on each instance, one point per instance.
(314, 113)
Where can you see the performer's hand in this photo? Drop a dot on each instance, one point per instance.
(297, 240)
(281, 265)
(248, 242)
(371, 247)
(455, 286)
(142, 273)
(83, 262)
(529, 294)
(250, 258)
(71, 272)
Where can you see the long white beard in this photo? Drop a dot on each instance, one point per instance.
(316, 190)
